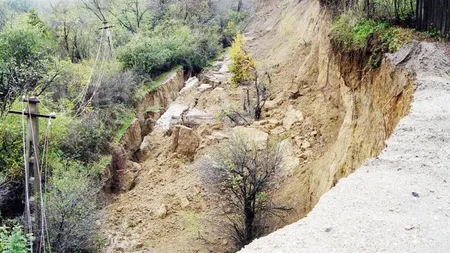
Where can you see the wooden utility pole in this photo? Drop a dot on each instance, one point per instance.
(33, 177)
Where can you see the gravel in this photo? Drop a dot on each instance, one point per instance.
(399, 201)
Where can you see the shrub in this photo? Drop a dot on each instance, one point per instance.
(243, 175)
(242, 65)
(350, 32)
(24, 58)
(168, 45)
(13, 240)
(87, 139)
(71, 203)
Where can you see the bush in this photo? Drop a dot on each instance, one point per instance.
(242, 65)
(71, 203)
(11, 152)
(24, 58)
(87, 139)
(168, 45)
(351, 32)
(13, 240)
(242, 174)
(231, 26)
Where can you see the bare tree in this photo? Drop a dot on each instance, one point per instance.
(243, 175)
(130, 14)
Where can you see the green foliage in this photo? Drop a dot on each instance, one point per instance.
(71, 203)
(168, 45)
(11, 154)
(24, 57)
(171, 43)
(231, 26)
(351, 32)
(243, 64)
(87, 139)
(13, 240)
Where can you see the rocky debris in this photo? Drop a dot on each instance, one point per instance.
(131, 139)
(214, 138)
(260, 123)
(305, 145)
(225, 67)
(164, 122)
(214, 79)
(161, 213)
(189, 84)
(277, 130)
(256, 137)
(185, 141)
(130, 176)
(272, 104)
(184, 202)
(290, 160)
(204, 87)
(292, 116)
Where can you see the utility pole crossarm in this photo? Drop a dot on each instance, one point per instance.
(51, 116)
(32, 171)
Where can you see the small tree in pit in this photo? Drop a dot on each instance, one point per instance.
(243, 175)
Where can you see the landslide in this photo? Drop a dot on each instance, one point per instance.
(330, 112)
(349, 109)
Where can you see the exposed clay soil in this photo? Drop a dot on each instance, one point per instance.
(330, 114)
(397, 202)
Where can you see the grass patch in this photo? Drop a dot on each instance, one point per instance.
(150, 86)
(127, 119)
(190, 221)
(351, 32)
(371, 39)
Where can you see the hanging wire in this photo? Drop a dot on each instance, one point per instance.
(44, 167)
(79, 99)
(96, 84)
(27, 191)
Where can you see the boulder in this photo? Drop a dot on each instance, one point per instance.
(184, 202)
(185, 141)
(161, 212)
(290, 160)
(292, 116)
(144, 149)
(257, 137)
(204, 87)
(189, 84)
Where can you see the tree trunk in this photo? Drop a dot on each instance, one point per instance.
(249, 220)
(239, 7)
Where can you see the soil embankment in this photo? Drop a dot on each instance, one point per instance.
(329, 113)
(397, 202)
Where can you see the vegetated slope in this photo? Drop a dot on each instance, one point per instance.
(349, 109)
(397, 202)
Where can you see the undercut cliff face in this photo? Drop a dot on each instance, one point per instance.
(329, 110)
(392, 203)
(350, 109)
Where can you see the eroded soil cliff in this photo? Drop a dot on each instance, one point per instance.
(329, 113)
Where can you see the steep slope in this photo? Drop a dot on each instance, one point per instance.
(330, 113)
(397, 202)
(349, 110)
